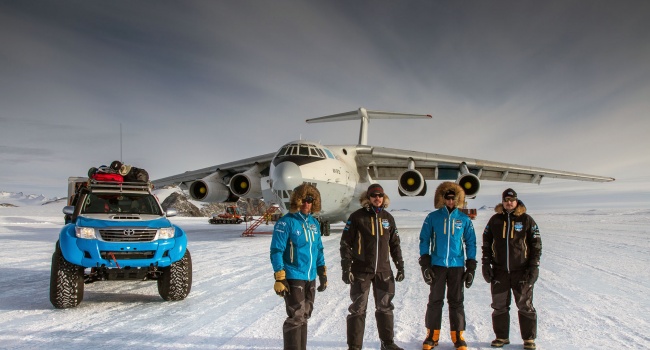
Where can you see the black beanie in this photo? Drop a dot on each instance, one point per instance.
(375, 188)
(509, 193)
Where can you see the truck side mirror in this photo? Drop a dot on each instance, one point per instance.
(68, 209)
(171, 212)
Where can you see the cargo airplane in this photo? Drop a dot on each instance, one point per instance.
(342, 173)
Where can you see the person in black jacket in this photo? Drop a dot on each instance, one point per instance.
(512, 248)
(368, 242)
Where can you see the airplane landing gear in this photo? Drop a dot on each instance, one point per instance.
(324, 228)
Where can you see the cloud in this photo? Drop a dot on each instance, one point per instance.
(562, 84)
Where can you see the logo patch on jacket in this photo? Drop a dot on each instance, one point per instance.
(385, 224)
(458, 224)
(519, 226)
(535, 231)
(313, 227)
(298, 232)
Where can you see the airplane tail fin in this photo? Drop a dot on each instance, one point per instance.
(365, 115)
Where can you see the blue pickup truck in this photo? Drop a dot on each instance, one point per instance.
(117, 231)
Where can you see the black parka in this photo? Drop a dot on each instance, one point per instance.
(511, 241)
(369, 240)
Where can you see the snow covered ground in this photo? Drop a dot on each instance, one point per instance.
(593, 291)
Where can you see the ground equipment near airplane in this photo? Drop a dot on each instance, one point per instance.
(343, 172)
(231, 215)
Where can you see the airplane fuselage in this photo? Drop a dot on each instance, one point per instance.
(332, 169)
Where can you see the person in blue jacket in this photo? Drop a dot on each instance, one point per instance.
(297, 259)
(447, 245)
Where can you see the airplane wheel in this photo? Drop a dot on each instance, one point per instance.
(325, 228)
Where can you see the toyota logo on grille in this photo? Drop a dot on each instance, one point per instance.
(129, 232)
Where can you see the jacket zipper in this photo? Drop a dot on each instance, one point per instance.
(508, 244)
(448, 228)
(376, 225)
(307, 234)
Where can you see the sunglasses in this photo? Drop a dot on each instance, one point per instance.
(510, 199)
(308, 199)
(377, 195)
(448, 198)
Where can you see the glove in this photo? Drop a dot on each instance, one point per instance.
(281, 286)
(488, 274)
(427, 271)
(322, 278)
(468, 276)
(531, 275)
(399, 277)
(347, 277)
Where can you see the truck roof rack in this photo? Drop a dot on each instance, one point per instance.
(120, 186)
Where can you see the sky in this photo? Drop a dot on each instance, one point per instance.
(590, 283)
(174, 86)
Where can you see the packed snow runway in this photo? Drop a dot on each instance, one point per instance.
(593, 291)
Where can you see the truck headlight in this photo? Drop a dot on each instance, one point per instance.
(85, 232)
(167, 232)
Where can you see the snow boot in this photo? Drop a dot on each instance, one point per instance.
(354, 348)
(459, 340)
(431, 341)
(530, 344)
(499, 343)
(389, 345)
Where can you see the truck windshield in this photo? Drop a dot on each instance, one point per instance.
(116, 203)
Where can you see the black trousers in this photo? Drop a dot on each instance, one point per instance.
(299, 305)
(383, 289)
(504, 285)
(450, 278)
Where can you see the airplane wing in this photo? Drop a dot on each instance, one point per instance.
(388, 164)
(224, 170)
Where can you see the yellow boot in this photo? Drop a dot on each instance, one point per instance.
(431, 341)
(459, 340)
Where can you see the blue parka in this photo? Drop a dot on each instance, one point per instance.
(443, 235)
(296, 246)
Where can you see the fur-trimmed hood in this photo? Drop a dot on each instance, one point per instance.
(301, 192)
(365, 201)
(519, 209)
(439, 200)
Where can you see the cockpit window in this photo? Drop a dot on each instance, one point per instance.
(329, 153)
(301, 150)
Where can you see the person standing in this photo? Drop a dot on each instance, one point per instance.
(512, 248)
(444, 233)
(297, 259)
(368, 241)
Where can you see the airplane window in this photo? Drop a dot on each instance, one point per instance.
(312, 152)
(292, 150)
(304, 150)
(320, 153)
(282, 151)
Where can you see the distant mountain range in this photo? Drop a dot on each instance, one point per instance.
(20, 199)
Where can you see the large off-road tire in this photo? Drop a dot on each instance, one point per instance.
(176, 280)
(66, 282)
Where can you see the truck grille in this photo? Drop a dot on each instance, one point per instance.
(128, 235)
(127, 255)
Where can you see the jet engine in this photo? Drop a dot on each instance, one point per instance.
(411, 183)
(211, 189)
(246, 185)
(468, 181)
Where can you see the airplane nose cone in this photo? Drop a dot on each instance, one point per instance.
(286, 176)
